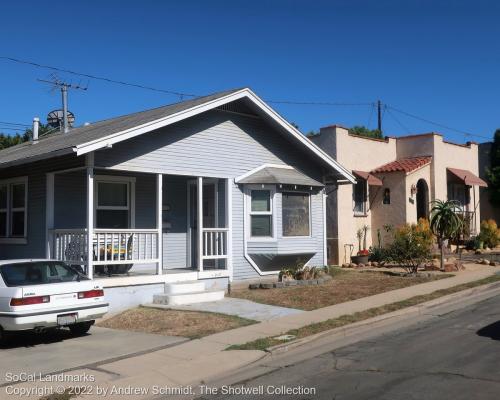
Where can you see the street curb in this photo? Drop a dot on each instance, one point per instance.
(467, 295)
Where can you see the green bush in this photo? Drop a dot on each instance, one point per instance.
(377, 254)
(489, 234)
(411, 246)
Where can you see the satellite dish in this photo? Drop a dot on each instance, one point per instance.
(55, 118)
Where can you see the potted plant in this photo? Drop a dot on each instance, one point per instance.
(361, 257)
(363, 253)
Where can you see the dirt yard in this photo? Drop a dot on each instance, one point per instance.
(191, 324)
(345, 286)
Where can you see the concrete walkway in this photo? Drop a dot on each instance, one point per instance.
(240, 307)
(201, 360)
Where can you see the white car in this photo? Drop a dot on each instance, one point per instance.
(42, 294)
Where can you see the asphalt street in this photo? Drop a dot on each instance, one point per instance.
(452, 356)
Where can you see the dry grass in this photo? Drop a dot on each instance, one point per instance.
(67, 395)
(312, 329)
(345, 286)
(191, 324)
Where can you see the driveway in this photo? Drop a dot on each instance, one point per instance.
(59, 351)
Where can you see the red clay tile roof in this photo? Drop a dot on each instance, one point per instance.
(404, 164)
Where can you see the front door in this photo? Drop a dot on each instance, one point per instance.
(209, 216)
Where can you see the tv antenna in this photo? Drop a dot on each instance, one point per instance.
(63, 115)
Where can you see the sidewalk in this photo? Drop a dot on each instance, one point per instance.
(198, 361)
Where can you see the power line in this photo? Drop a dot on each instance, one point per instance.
(398, 121)
(316, 103)
(12, 129)
(436, 123)
(96, 77)
(182, 95)
(14, 123)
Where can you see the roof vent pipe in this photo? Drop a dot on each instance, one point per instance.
(36, 123)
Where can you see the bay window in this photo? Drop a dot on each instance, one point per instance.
(261, 214)
(296, 214)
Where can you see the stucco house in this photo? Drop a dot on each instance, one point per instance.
(122, 197)
(396, 180)
(489, 210)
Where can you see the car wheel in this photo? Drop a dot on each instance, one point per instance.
(81, 328)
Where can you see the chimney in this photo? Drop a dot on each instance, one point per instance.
(36, 122)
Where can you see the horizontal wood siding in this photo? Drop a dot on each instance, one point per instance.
(242, 269)
(36, 173)
(70, 200)
(213, 144)
(219, 144)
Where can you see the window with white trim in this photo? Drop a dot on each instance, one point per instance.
(13, 208)
(296, 214)
(112, 205)
(261, 213)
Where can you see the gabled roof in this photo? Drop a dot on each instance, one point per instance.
(408, 164)
(105, 133)
(277, 174)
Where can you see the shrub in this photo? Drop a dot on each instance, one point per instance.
(489, 234)
(411, 246)
(378, 254)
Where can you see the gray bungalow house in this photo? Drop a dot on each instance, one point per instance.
(122, 197)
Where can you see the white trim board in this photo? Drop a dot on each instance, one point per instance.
(117, 137)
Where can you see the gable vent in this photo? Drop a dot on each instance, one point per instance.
(237, 107)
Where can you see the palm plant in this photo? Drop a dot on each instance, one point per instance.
(445, 222)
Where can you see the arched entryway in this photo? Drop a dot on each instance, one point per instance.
(422, 199)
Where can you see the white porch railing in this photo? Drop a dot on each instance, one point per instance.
(109, 246)
(215, 243)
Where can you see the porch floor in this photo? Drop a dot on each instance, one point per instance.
(145, 271)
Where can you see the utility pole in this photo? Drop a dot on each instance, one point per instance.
(379, 115)
(64, 86)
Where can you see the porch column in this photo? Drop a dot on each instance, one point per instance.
(325, 243)
(49, 214)
(200, 222)
(159, 221)
(229, 226)
(90, 217)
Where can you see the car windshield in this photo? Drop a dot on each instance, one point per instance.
(39, 273)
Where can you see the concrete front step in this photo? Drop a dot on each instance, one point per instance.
(184, 287)
(188, 298)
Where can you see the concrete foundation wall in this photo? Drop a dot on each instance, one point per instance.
(121, 298)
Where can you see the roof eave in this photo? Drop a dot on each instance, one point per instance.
(40, 157)
(171, 119)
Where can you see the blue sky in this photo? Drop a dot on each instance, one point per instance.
(435, 59)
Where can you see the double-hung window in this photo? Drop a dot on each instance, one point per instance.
(295, 214)
(261, 213)
(13, 209)
(113, 204)
(360, 196)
